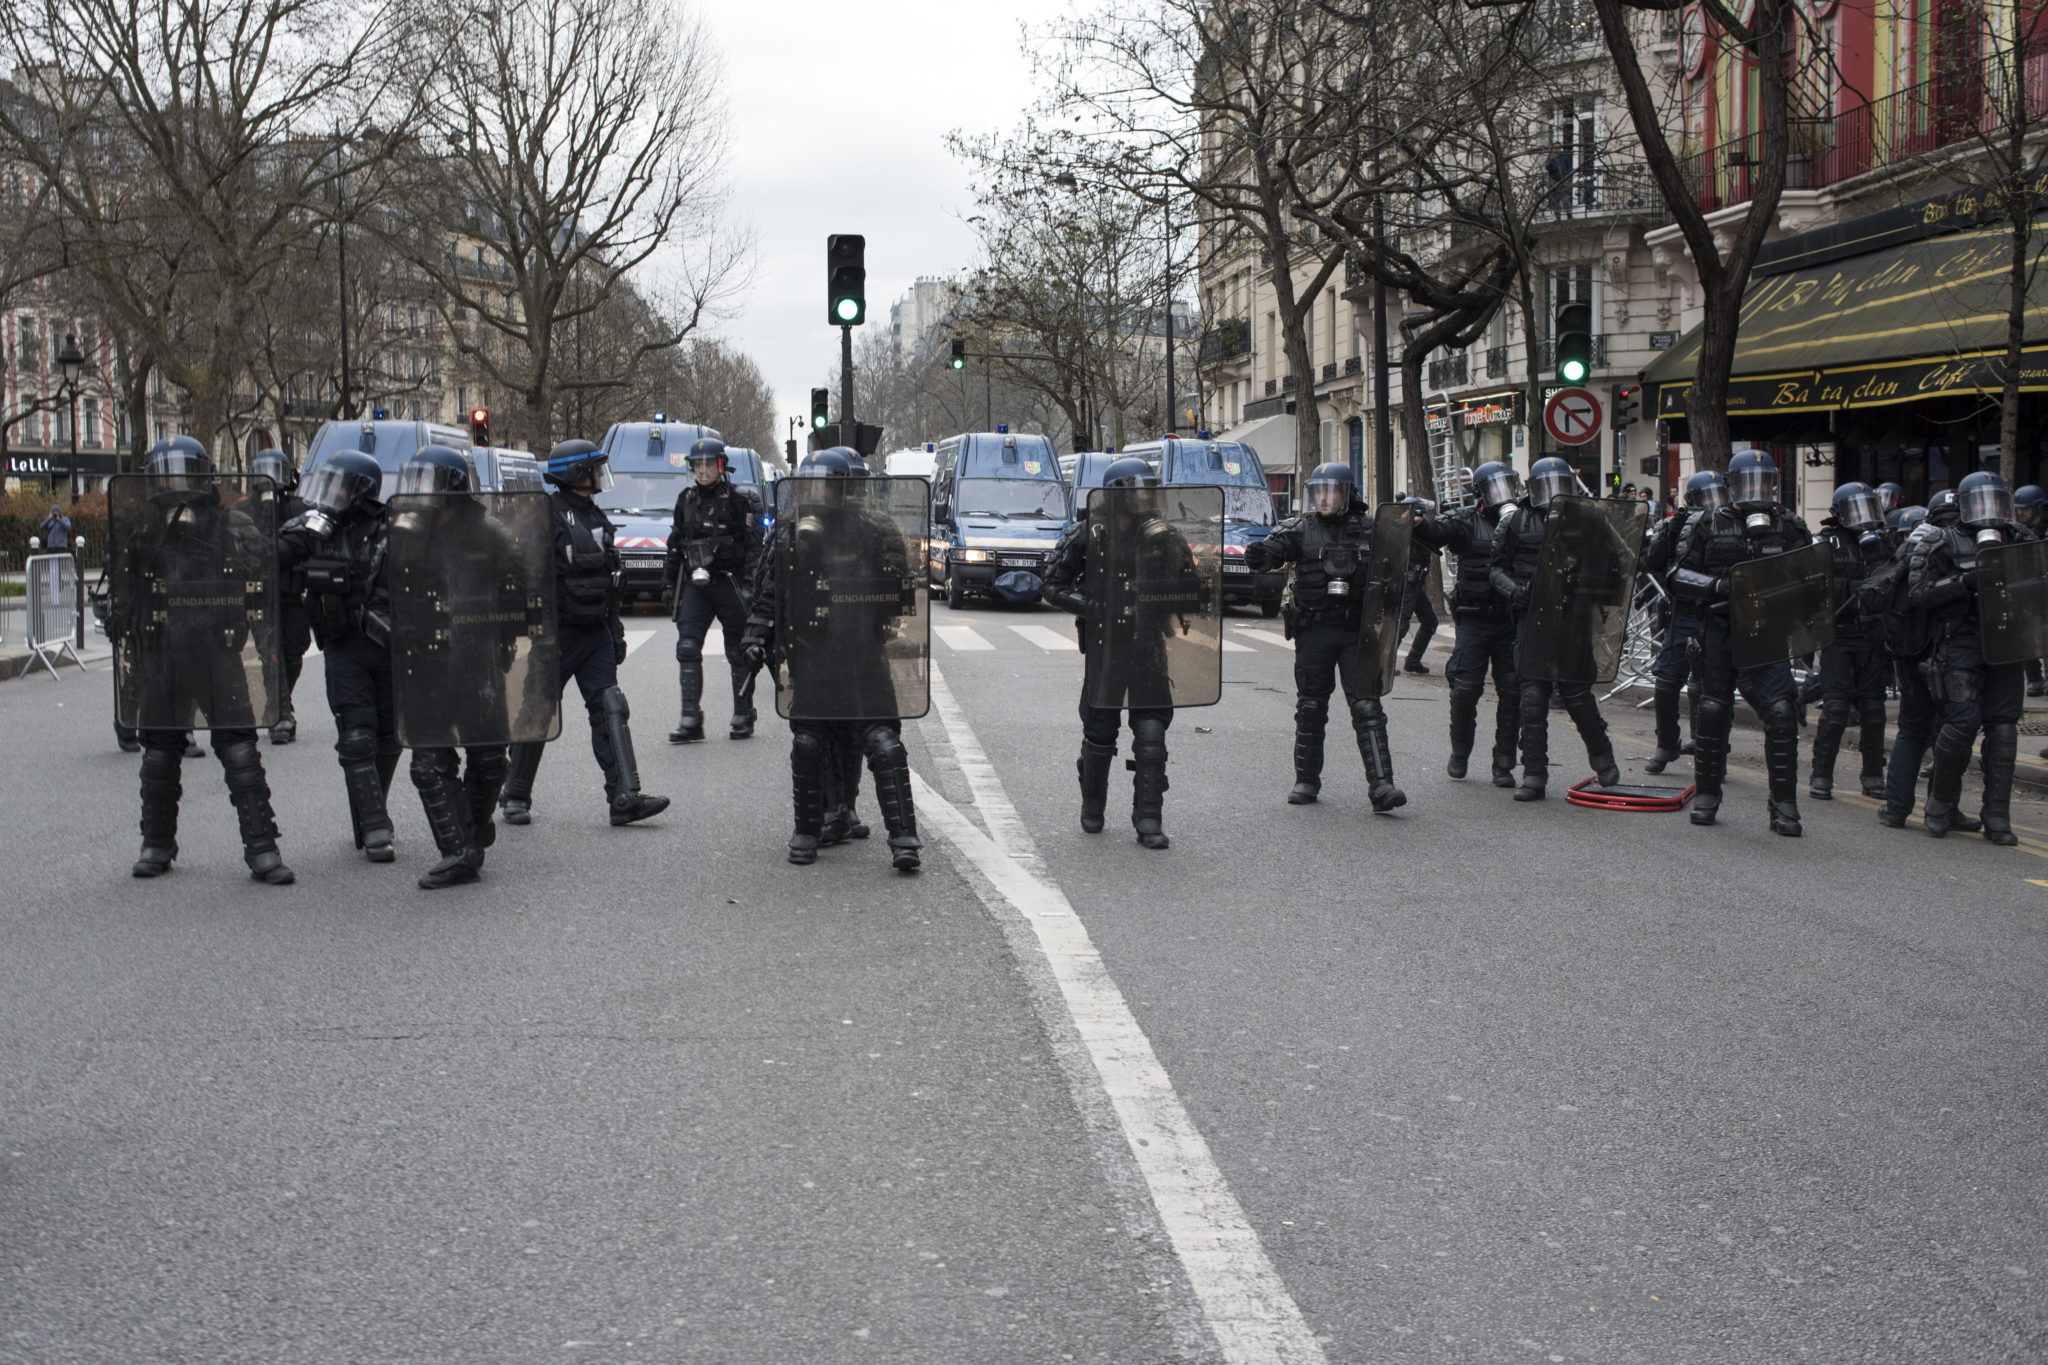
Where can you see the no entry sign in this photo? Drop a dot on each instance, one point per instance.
(1572, 416)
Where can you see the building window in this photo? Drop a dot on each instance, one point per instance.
(91, 434)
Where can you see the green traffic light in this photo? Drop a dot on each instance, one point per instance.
(1572, 370)
(846, 310)
(957, 363)
(817, 421)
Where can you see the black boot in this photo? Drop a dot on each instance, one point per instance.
(1093, 766)
(128, 738)
(1665, 700)
(1148, 781)
(690, 673)
(1506, 731)
(809, 753)
(522, 765)
(287, 728)
(1871, 744)
(1464, 729)
(2001, 752)
(1369, 723)
(1310, 715)
(1827, 743)
(1584, 709)
(160, 793)
(362, 777)
(1710, 758)
(249, 792)
(192, 749)
(889, 761)
(743, 713)
(622, 784)
(1781, 765)
(445, 802)
(1535, 742)
(1945, 784)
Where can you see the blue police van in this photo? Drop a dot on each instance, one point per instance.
(390, 443)
(1248, 514)
(650, 467)
(999, 504)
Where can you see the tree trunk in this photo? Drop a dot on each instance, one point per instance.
(1414, 413)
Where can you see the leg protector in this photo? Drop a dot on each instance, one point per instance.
(623, 782)
(1464, 727)
(1535, 741)
(1871, 743)
(160, 793)
(1945, 787)
(889, 761)
(434, 775)
(1311, 714)
(1148, 780)
(743, 713)
(2001, 751)
(1781, 764)
(1506, 727)
(249, 792)
(362, 776)
(1666, 703)
(690, 676)
(1093, 765)
(1827, 743)
(1714, 718)
(1369, 723)
(809, 753)
(1584, 709)
(522, 766)
(389, 751)
(481, 782)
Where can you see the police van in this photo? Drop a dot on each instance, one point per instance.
(999, 504)
(650, 468)
(389, 443)
(1248, 515)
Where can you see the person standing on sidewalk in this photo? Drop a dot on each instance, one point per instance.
(55, 530)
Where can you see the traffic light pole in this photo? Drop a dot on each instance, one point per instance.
(845, 380)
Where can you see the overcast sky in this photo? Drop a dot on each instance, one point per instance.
(810, 159)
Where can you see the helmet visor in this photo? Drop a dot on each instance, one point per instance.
(1888, 497)
(426, 476)
(1497, 490)
(275, 468)
(333, 489)
(1328, 497)
(182, 470)
(1862, 511)
(1551, 484)
(1755, 486)
(1985, 505)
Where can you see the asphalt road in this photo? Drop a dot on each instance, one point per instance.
(1473, 1082)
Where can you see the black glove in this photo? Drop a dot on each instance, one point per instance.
(618, 649)
(1521, 601)
(755, 653)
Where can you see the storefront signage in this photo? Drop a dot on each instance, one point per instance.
(1869, 386)
(1492, 410)
(28, 464)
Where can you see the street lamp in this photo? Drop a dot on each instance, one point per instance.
(71, 364)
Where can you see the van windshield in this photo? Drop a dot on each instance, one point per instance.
(1247, 501)
(1021, 499)
(641, 492)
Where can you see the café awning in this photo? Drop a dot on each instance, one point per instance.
(1920, 320)
(1273, 439)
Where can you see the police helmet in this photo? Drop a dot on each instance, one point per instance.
(1129, 472)
(1983, 500)
(571, 462)
(2026, 502)
(857, 464)
(1550, 478)
(1856, 507)
(1942, 508)
(1888, 495)
(436, 469)
(1908, 518)
(1706, 489)
(831, 463)
(345, 479)
(181, 462)
(1496, 483)
(709, 448)
(1753, 481)
(281, 469)
(1331, 489)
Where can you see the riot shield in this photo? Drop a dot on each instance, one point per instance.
(2012, 601)
(1155, 597)
(1584, 586)
(852, 635)
(1379, 625)
(474, 652)
(192, 601)
(1782, 606)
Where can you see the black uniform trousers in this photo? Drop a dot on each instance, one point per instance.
(1674, 654)
(1101, 724)
(696, 606)
(1919, 714)
(1415, 605)
(589, 657)
(1974, 693)
(359, 687)
(1485, 640)
(295, 632)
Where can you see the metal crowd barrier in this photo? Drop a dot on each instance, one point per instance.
(53, 622)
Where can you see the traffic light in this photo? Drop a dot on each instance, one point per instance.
(821, 408)
(959, 360)
(1621, 406)
(846, 275)
(1574, 341)
(480, 427)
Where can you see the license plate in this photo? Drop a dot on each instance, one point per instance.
(1010, 562)
(1237, 568)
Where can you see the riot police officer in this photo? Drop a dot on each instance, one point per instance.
(1854, 668)
(1885, 605)
(1753, 527)
(1517, 550)
(593, 638)
(1672, 668)
(337, 546)
(295, 628)
(1415, 603)
(1331, 549)
(1483, 625)
(837, 664)
(1974, 695)
(195, 654)
(712, 548)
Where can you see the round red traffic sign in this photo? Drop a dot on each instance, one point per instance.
(1572, 416)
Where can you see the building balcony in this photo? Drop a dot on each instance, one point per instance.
(1546, 355)
(1496, 362)
(1449, 371)
(1228, 339)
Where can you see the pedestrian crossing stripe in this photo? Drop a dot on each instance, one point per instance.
(1048, 639)
(962, 637)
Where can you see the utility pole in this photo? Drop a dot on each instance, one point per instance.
(1172, 393)
(348, 405)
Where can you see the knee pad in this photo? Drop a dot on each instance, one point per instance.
(612, 703)
(1368, 711)
(1714, 713)
(1873, 711)
(1311, 708)
(690, 649)
(808, 749)
(884, 746)
(489, 765)
(1465, 694)
(357, 744)
(1836, 711)
(1148, 740)
(388, 746)
(431, 765)
(1781, 714)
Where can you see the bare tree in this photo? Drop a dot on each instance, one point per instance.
(569, 143)
(188, 144)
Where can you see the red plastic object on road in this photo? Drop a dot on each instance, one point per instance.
(1629, 796)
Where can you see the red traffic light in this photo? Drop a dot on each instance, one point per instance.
(480, 426)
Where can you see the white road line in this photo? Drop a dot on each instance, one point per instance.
(637, 638)
(961, 638)
(1264, 637)
(1048, 639)
(1231, 646)
(1254, 1318)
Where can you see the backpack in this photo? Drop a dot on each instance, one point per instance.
(1881, 600)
